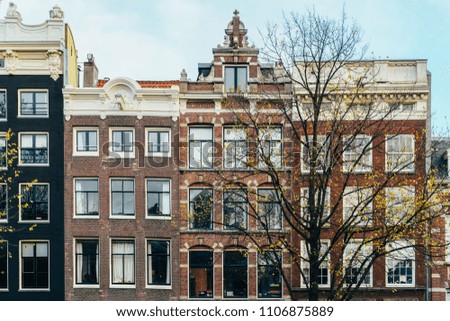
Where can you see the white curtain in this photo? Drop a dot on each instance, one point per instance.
(79, 254)
(123, 262)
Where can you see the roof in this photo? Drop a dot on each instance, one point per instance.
(147, 83)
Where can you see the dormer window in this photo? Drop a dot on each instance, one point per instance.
(235, 79)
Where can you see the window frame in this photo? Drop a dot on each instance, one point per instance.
(6, 105)
(234, 142)
(75, 263)
(130, 285)
(76, 152)
(21, 266)
(413, 263)
(148, 285)
(235, 81)
(346, 254)
(306, 265)
(272, 145)
(349, 192)
(158, 130)
(4, 154)
(242, 194)
(392, 168)
(33, 91)
(208, 268)
(327, 203)
(324, 140)
(224, 253)
(122, 153)
(263, 202)
(278, 253)
(395, 197)
(85, 216)
(21, 220)
(349, 166)
(211, 217)
(34, 134)
(4, 245)
(209, 158)
(6, 217)
(162, 216)
(122, 195)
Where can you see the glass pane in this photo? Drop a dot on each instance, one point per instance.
(86, 185)
(201, 134)
(229, 79)
(41, 141)
(26, 141)
(242, 78)
(129, 203)
(41, 249)
(27, 249)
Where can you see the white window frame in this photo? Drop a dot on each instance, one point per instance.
(398, 200)
(392, 166)
(364, 251)
(2, 119)
(31, 90)
(20, 203)
(20, 163)
(124, 217)
(304, 265)
(362, 194)
(85, 216)
(158, 217)
(113, 154)
(5, 219)
(447, 238)
(322, 140)
(5, 243)
(121, 285)
(364, 165)
(304, 199)
(147, 141)
(396, 245)
(261, 214)
(3, 136)
(235, 67)
(243, 138)
(21, 288)
(270, 131)
(203, 158)
(170, 265)
(81, 285)
(75, 142)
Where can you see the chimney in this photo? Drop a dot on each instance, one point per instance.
(90, 75)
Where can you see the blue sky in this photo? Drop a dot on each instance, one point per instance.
(156, 39)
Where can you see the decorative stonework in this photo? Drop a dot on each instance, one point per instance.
(56, 13)
(12, 12)
(11, 61)
(54, 63)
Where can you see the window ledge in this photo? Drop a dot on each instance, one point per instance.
(159, 287)
(158, 218)
(86, 286)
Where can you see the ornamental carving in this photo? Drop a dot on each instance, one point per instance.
(12, 11)
(56, 13)
(54, 63)
(11, 61)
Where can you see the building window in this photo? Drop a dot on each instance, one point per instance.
(235, 148)
(35, 265)
(3, 202)
(122, 197)
(158, 142)
(86, 262)
(400, 153)
(357, 156)
(269, 210)
(318, 157)
(122, 143)
(86, 141)
(3, 152)
(123, 263)
(86, 196)
(324, 267)
(269, 274)
(158, 262)
(201, 274)
(235, 274)
(33, 103)
(34, 202)
(321, 205)
(158, 198)
(33, 149)
(400, 263)
(4, 265)
(3, 105)
(399, 204)
(357, 263)
(235, 79)
(201, 147)
(200, 208)
(271, 151)
(447, 237)
(235, 208)
(357, 206)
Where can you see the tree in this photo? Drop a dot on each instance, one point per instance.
(346, 153)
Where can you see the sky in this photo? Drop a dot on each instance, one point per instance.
(157, 39)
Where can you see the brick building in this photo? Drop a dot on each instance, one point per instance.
(36, 62)
(121, 189)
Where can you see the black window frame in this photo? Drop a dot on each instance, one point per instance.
(90, 261)
(3, 105)
(270, 264)
(203, 262)
(159, 259)
(87, 192)
(233, 274)
(122, 194)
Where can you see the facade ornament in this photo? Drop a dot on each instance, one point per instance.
(12, 11)
(11, 61)
(56, 13)
(183, 75)
(54, 63)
